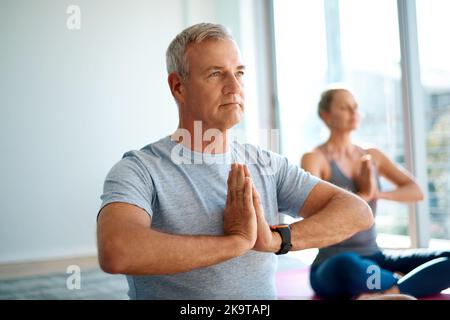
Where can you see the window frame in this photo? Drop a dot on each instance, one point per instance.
(414, 115)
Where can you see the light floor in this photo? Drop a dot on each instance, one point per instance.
(48, 279)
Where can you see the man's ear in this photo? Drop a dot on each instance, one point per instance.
(176, 87)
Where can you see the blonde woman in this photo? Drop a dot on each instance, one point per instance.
(344, 270)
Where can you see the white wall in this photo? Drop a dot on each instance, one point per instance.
(73, 101)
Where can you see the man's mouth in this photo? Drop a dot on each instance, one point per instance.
(230, 104)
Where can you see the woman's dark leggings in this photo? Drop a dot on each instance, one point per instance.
(346, 275)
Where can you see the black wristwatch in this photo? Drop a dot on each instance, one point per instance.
(285, 232)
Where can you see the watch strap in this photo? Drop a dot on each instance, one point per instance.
(285, 233)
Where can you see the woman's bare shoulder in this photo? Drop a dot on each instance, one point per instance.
(315, 162)
(376, 153)
(314, 155)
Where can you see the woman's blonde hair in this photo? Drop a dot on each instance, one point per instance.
(327, 97)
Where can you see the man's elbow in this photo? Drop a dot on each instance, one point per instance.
(111, 265)
(365, 219)
(111, 260)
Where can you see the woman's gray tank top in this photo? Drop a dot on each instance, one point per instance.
(363, 243)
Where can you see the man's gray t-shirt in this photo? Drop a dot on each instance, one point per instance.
(185, 192)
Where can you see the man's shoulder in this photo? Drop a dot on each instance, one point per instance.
(146, 157)
(153, 150)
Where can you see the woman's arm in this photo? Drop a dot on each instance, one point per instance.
(407, 190)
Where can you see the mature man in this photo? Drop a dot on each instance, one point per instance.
(180, 224)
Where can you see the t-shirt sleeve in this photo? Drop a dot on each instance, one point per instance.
(293, 186)
(130, 182)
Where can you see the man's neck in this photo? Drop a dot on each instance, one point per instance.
(203, 140)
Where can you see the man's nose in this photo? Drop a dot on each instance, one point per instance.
(232, 85)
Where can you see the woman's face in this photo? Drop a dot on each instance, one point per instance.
(343, 114)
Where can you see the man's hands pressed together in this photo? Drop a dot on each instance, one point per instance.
(244, 214)
(239, 214)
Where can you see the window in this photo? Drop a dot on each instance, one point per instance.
(301, 54)
(351, 41)
(434, 52)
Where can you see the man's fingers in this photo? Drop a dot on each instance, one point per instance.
(248, 194)
(257, 201)
(228, 202)
(232, 184)
(240, 181)
(229, 197)
(241, 176)
(246, 171)
(256, 194)
(240, 184)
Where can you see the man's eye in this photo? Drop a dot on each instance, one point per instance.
(215, 74)
(240, 73)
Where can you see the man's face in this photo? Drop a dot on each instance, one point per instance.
(213, 91)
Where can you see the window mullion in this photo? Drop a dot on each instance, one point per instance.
(414, 119)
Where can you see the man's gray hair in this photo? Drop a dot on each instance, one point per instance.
(176, 52)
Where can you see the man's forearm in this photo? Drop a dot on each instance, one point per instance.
(344, 215)
(149, 252)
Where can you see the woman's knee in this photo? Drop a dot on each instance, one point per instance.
(339, 275)
(347, 260)
(352, 268)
